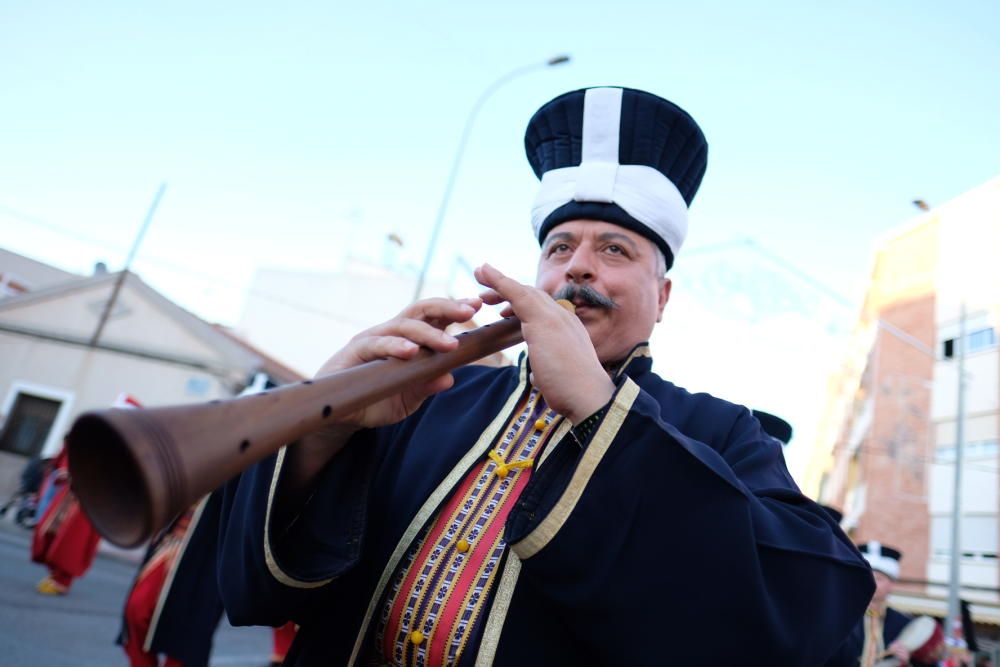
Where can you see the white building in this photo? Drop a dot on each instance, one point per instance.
(150, 348)
(969, 275)
(305, 316)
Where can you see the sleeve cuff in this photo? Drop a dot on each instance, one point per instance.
(583, 432)
(529, 534)
(325, 540)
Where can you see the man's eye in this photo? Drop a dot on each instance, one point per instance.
(559, 247)
(616, 250)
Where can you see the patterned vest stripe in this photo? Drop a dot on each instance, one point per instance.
(441, 590)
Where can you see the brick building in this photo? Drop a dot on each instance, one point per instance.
(885, 452)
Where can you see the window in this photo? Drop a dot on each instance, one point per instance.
(28, 424)
(975, 341)
(981, 339)
(975, 449)
(979, 537)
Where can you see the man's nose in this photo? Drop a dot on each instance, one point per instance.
(580, 268)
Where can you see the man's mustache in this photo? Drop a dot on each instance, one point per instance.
(585, 294)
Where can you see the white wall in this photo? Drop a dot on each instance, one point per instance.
(970, 574)
(968, 270)
(94, 378)
(982, 385)
(135, 321)
(302, 318)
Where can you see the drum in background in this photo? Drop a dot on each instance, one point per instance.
(922, 637)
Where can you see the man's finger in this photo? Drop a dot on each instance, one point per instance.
(525, 301)
(443, 310)
(417, 331)
(508, 288)
(382, 347)
(490, 297)
(415, 396)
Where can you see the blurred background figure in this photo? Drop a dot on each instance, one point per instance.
(282, 640)
(173, 607)
(885, 637)
(64, 539)
(24, 501)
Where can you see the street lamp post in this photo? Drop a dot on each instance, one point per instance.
(443, 207)
(954, 619)
(955, 571)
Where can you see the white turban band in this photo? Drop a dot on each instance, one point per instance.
(880, 561)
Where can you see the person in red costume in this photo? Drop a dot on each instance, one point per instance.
(282, 641)
(64, 539)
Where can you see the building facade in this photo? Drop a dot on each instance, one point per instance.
(886, 450)
(52, 369)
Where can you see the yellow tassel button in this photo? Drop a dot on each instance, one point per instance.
(416, 638)
(462, 546)
(540, 424)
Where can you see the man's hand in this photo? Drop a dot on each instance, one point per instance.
(563, 361)
(899, 651)
(421, 324)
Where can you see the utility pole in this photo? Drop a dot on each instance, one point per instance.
(954, 608)
(128, 263)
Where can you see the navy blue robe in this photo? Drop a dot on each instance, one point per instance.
(672, 535)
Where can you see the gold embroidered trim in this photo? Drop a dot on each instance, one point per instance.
(433, 502)
(641, 350)
(272, 564)
(498, 613)
(537, 539)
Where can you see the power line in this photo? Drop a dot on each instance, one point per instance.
(914, 458)
(35, 220)
(181, 269)
(801, 274)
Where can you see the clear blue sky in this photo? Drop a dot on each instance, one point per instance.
(291, 134)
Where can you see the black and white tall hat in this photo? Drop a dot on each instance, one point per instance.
(882, 558)
(620, 155)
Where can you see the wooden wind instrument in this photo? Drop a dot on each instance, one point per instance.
(134, 470)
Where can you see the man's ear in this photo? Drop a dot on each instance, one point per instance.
(664, 296)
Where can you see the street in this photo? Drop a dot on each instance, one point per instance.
(79, 630)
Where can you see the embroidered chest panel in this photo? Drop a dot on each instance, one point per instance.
(444, 583)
